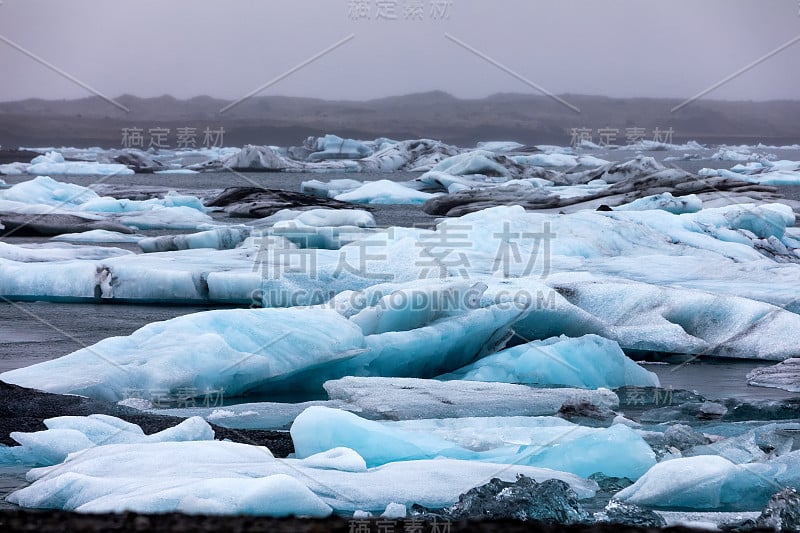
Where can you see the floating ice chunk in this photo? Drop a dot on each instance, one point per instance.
(394, 511)
(53, 163)
(319, 429)
(69, 434)
(174, 218)
(588, 362)
(113, 205)
(710, 482)
(217, 239)
(177, 171)
(499, 146)
(272, 349)
(235, 350)
(44, 190)
(655, 146)
(331, 189)
(785, 375)
(665, 202)
(49, 449)
(321, 228)
(550, 160)
(253, 158)
(384, 192)
(476, 162)
(639, 166)
(334, 147)
(737, 154)
(13, 169)
(46, 253)
(98, 236)
(405, 398)
(582, 451)
(324, 218)
(780, 174)
(415, 155)
(161, 477)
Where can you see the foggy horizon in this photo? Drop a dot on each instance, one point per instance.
(621, 49)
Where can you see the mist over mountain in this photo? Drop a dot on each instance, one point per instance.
(282, 120)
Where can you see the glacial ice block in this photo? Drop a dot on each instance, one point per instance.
(70, 434)
(407, 398)
(175, 476)
(579, 450)
(235, 350)
(268, 350)
(384, 192)
(590, 362)
(711, 482)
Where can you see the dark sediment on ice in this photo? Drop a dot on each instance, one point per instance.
(54, 224)
(677, 182)
(256, 202)
(25, 410)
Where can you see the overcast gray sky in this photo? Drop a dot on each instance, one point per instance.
(226, 49)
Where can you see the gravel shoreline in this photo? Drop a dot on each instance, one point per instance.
(58, 521)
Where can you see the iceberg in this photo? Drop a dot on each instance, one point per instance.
(477, 162)
(234, 350)
(710, 482)
(230, 478)
(415, 156)
(67, 435)
(784, 375)
(409, 398)
(587, 362)
(334, 147)
(665, 202)
(51, 253)
(267, 350)
(384, 192)
(567, 448)
(98, 236)
(499, 146)
(53, 163)
(49, 198)
(44, 190)
(258, 158)
(217, 239)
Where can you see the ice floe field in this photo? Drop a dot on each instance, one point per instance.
(588, 334)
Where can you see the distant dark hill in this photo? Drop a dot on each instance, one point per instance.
(288, 120)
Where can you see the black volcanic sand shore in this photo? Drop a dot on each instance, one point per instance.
(25, 410)
(57, 521)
